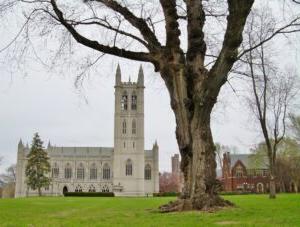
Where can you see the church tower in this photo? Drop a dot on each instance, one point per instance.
(129, 154)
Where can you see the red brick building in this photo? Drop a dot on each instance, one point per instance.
(241, 172)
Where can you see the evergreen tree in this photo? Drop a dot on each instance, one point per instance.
(38, 165)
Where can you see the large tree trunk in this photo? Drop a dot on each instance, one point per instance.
(199, 169)
(204, 186)
(40, 191)
(192, 106)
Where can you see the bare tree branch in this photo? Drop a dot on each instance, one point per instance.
(238, 13)
(137, 22)
(139, 56)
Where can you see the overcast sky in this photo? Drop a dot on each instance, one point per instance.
(52, 106)
(46, 101)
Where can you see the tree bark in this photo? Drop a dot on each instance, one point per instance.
(204, 184)
(40, 191)
(192, 105)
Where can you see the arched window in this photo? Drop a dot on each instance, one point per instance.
(124, 101)
(147, 172)
(80, 171)
(133, 126)
(239, 171)
(124, 126)
(68, 171)
(106, 172)
(128, 170)
(93, 172)
(55, 171)
(133, 101)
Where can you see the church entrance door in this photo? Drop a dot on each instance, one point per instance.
(65, 190)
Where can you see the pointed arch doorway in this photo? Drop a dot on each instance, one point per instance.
(65, 190)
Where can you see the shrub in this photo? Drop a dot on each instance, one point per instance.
(237, 193)
(90, 194)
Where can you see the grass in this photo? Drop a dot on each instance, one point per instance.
(250, 210)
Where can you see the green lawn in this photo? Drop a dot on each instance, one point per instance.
(250, 210)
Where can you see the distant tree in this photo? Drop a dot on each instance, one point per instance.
(272, 90)
(38, 166)
(8, 181)
(169, 182)
(219, 153)
(221, 150)
(258, 156)
(10, 174)
(295, 126)
(287, 166)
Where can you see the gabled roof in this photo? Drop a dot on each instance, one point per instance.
(250, 161)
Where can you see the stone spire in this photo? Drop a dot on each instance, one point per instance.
(49, 145)
(27, 146)
(141, 76)
(20, 145)
(118, 76)
(155, 145)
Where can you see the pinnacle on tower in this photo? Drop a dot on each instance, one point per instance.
(118, 75)
(141, 76)
(49, 145)
(155, 145)
(20, 145)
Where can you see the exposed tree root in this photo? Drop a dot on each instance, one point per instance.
(210, 204)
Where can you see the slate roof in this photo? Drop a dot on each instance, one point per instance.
(250, 161)
(80, 151)
(83, 151)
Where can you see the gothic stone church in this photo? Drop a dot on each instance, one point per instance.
(126, 169)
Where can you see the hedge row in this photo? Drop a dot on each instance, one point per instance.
(90, 194)
(166, 194)
(237, 193)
